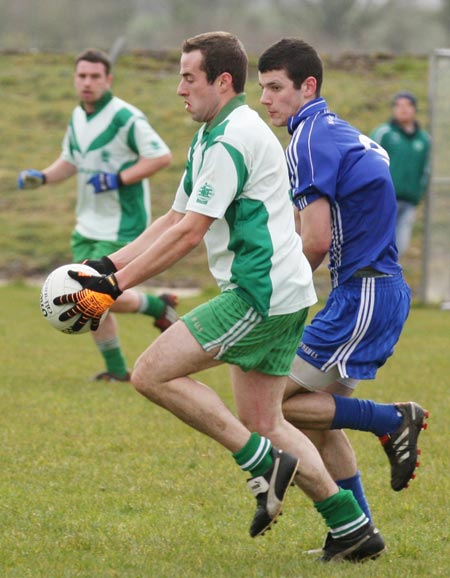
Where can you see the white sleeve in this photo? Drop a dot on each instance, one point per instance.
(181, 197)
(66, 154)
(148, 142)
(216, 184)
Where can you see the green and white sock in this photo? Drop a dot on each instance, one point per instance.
(151, 305)
(113, 356)
(256, 456)
(342, 513)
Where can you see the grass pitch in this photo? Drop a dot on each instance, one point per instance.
(96, 482)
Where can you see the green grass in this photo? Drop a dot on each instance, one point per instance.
(96, 482)
(38, 97)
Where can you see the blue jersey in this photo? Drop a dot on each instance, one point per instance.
(327, 157)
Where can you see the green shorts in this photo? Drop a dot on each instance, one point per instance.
(83, 248)
(245, 338)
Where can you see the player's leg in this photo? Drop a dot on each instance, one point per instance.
(107, 341)
(333, 445)
(258, 364)
(107, 335)
(315, 400)
(332, 452)
(384, 304)
(404, 225)
(258, 398)
(106, 338)
(392, 423)
(162, 374)
(161, 307)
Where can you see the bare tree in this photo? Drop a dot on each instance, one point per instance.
(335, 20)
(335, 25)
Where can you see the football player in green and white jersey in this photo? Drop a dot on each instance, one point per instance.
(112, 148)
(234, 195)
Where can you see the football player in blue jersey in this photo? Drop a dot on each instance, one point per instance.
(346, 210)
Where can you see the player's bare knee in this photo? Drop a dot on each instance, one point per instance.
(142, 379)
(139, 382)
(263, 425)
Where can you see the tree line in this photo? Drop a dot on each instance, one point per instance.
(394, 26)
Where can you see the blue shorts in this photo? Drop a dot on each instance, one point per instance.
(357, 329)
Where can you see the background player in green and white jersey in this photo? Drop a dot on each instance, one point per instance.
(112, 148)
(234, 195)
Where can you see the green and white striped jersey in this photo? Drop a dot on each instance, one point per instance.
(236, 172)
(110, 140)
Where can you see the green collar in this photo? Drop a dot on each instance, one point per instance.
(235, 102)
(100, 103)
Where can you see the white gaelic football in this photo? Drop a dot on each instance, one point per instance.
(60, 283)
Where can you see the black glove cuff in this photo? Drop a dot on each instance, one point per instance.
(104, 266)
(109, 266)
(115, 291)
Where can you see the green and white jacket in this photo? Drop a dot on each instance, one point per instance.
(110, 140)
(409, 155)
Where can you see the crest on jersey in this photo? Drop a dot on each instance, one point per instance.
(205, 193)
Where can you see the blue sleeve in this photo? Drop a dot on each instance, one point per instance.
(316, 171)
(305, 198)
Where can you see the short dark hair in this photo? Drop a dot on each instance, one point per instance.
(94, 55)
(297, 57)
(405, 94)
(222, 52)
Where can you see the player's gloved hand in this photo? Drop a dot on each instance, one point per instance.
(97, 295)
(104, 266)
(105, 182)
(30, 179)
